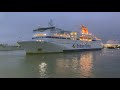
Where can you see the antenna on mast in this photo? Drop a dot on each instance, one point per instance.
(51, 23)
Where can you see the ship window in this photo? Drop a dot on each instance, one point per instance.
(52, 37)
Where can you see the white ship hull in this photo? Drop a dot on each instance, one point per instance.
(53, 45)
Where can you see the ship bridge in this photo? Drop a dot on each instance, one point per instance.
(43, 29)
(52, 32)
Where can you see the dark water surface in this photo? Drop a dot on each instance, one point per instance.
(89, 64)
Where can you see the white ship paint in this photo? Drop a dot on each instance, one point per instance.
(51, 39)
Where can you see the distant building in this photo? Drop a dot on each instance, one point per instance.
(112, 44)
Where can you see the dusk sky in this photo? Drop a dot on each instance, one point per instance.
(15, 26)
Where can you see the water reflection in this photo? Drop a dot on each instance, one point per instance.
(110, 52)
(103, 63)
(42, 69)
(86, 64)
(63, 65)
(78, 65)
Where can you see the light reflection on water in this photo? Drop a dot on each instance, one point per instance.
(78, 65)
(89, 64)
(63, 65)
(42, 69)
(86, 64)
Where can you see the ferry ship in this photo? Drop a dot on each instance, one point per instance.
(52, 39)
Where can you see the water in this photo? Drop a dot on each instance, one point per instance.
(89, 64)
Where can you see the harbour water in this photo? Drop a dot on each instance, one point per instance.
(89, 64)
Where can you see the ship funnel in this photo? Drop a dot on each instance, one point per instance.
(84, 30)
